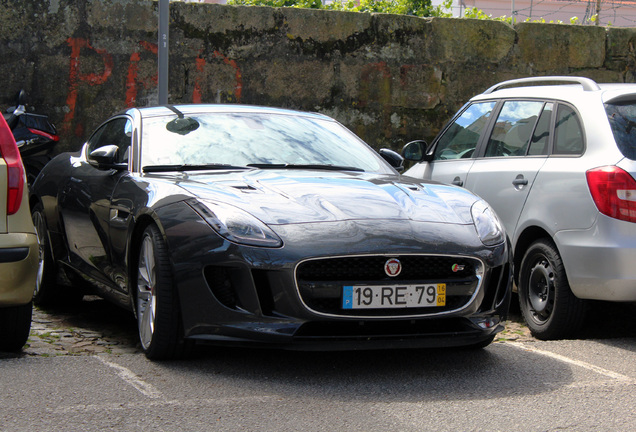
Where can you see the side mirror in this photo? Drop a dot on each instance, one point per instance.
(415, 151)
(393, 158)
(105, 157)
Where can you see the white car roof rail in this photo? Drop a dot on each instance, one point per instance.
(588, 84)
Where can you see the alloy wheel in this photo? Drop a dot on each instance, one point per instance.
(146, 292)
(40, 230)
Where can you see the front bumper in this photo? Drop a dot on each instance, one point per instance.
(236, 294)
(361, 335)
(18, 268)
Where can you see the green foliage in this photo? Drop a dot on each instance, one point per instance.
(310, 4)
(474, 13)
(543, 21)
(421, 8)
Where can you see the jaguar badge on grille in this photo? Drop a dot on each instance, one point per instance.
(393, 267)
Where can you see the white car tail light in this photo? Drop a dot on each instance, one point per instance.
(613, 191)
(15, 171)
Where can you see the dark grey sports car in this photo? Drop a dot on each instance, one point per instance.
(239, 224)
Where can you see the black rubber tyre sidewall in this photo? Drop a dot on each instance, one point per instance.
(167, 339)
(15, 325)
(568, 311)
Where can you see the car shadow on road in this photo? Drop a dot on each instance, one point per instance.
(611, 324)
(375, 376)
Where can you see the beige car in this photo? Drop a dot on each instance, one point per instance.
(19, 255)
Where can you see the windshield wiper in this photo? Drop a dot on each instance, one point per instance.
(306, 166)
(191, 167)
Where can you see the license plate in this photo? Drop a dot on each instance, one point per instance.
(393, 296)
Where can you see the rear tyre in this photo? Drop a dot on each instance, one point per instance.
(44, 293)
(158, 310)
(547, 304)
(15, 325)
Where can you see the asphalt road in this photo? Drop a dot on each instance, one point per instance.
(517, 384)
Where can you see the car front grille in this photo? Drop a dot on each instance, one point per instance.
(320, 282)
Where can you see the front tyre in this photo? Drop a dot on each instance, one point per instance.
(158, 313)
(547, 304)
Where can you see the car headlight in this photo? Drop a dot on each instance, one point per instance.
(489, 229)
(236, 225)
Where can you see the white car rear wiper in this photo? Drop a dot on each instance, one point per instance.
(191, 167)
(306, 166)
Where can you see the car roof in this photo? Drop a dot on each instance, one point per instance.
(577, 88)
(193, 109)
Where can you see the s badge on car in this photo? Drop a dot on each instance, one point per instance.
(393, 267)
(457, 267)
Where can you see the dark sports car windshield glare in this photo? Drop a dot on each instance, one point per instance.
(243, 139)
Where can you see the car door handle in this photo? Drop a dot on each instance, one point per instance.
(520, 181)
(458, 182)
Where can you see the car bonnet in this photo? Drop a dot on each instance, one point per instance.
(288, 196)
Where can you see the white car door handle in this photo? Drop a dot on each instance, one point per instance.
(520, 181)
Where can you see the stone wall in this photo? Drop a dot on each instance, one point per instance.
(389, 78)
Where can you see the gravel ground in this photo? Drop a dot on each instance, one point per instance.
(98, 327)
(92, 327)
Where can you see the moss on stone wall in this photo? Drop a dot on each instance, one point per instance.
(389, 78)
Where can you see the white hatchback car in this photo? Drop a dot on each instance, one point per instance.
(556, 159)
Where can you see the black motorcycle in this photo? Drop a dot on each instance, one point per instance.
(35, 135)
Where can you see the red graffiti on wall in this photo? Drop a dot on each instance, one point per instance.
(133, 81)
(196, 92)
(200, 77)
(238, 87)
(133, 72)
(75, 77)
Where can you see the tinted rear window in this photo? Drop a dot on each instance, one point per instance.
(622, 118)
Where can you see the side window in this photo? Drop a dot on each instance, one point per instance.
(514, 128)
(460, 138)
(541, 136)
(116, 132)
(568, 134)
(622, 118)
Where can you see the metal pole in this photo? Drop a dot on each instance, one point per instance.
(164, 14)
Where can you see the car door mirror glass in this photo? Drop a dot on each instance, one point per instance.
(415, 150)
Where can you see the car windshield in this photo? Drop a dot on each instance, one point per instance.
(261, 140)
(622, 118)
